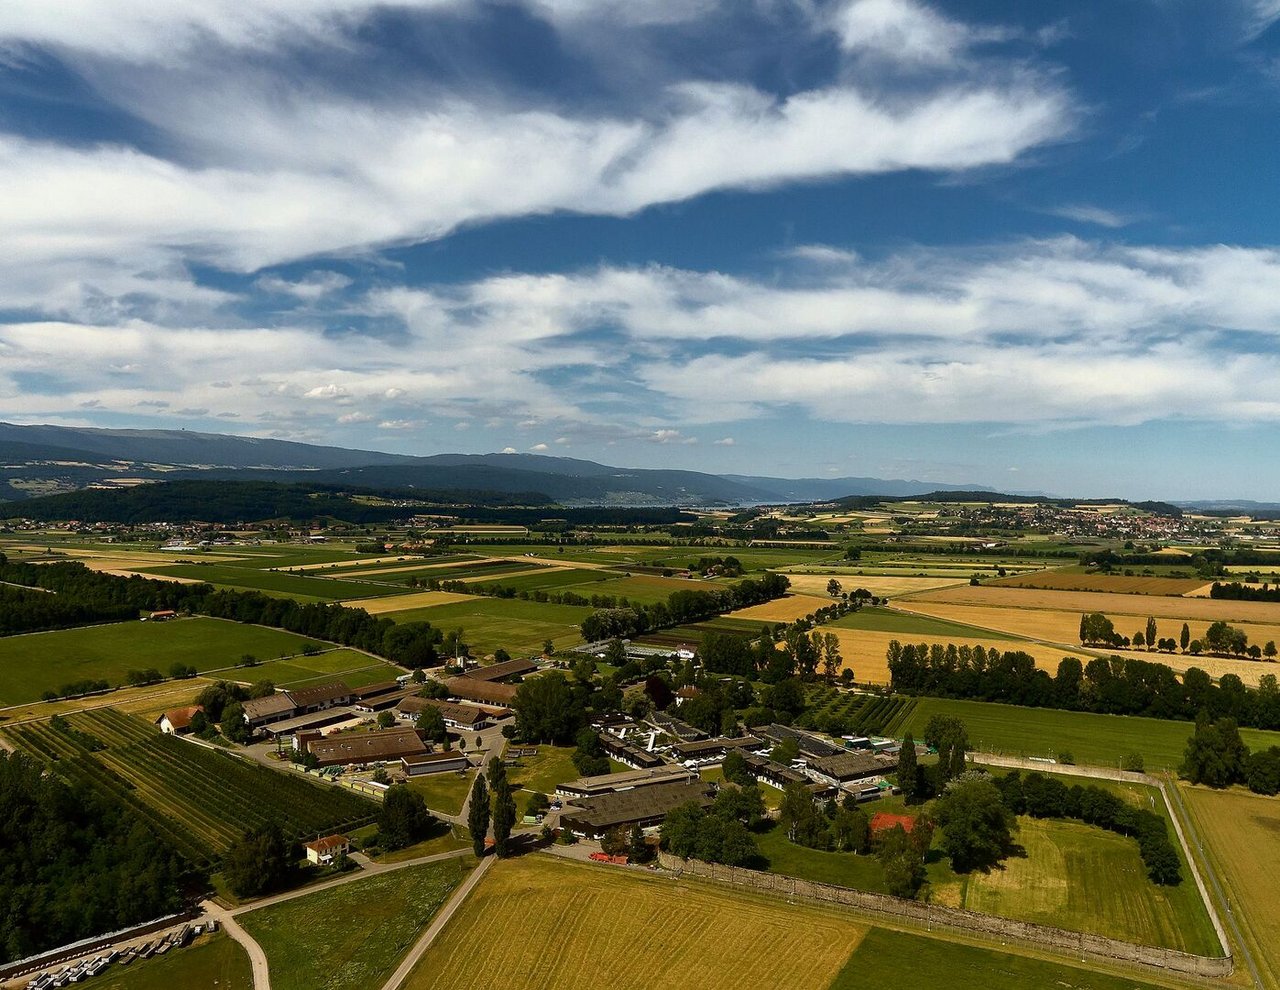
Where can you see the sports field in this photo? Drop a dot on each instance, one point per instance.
(351, 937)
(891, 960)
(213, 962)
(538, 922)
(1100, 740)
(39, 662)
(1242, 833)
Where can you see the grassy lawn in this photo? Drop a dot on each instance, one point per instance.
(32, 664)
(889, 960)
(537, 922)
(447, 838)
(350, 937)
(908, 624)
(213, 961)
(517, 626)
(841, 869)
(553, 765)
(444, 792)
(1101, 740)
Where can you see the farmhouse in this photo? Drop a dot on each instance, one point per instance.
(425, 763)
(502, 671)
(607, 783)
(366, 747)
(592, 817)
(456, 716)
(272, 708)
(320, 697)
(178, 721)
(490, 692)
(324, 851)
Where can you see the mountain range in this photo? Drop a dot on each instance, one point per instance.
(42, 460)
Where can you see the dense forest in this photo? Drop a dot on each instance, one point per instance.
(73, 865)
(1243, 593)
(1115, 685)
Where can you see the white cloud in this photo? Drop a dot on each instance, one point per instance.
(354, 417)
(1085, 213)
(539, 448)
(397, 424)
(309, 288)
(905, 31)
(725, 442)
(509, 450)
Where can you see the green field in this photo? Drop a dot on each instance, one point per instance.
(444, 792)
(1100, 740)
(356, 669)
(520, 627)
(553, 765)
(910, 625)
(890, 960)
(213, 962)
(299, 586)
(351, 937)
(578, 580)
(39, 662)
(199, 799)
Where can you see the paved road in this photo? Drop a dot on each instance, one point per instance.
(437, 925)
(257, 958)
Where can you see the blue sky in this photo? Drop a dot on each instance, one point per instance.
(1031, 246)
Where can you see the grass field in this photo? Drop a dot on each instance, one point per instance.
(891, 960)
(538, 922)
(553, 765)
(517, 626)
(576, 579)
(444, 792)
(38, 662)
(1100, 740)
(200, 800)
(1086, 879)
(1243, 844)
(300, 586)
(1119, 584)
(213, 962)
(355, 668)
(352, 936)
(910, 626)
(406, 602)
(648, 589)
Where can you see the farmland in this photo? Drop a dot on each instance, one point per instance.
(864, 650)
(615, 928)
(199, 799)
(356, 669)
(407, 602)
(1243, 833)
(39, 662)
(1100, 740)
(515, 625)
(303, 587)
(351, 936)
(910, 626)
(892, 960)
(883, 587)
(1118, 584)
(785, 609)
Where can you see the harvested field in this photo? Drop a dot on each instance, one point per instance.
(1053, 626)
(1242, 833)
(613, 928)
(354, 567)
(1208, 609)
(649, 589)
(786, 609)
(881, 586)
(401, 603)
(1109, 583)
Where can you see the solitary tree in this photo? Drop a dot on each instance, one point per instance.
(977, 828)
(1185, 638)
(833, 588)
(1151, 633)
(478, 814)
(908, 770)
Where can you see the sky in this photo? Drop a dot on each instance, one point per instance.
(1029, 246)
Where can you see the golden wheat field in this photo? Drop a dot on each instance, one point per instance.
(537, 922)
(890, 586)
(1243, 833)
(1181, 609)
(864, 650)
(402, 603)
(785, 609)
(1109, 583)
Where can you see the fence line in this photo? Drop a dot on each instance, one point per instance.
(1039, 936)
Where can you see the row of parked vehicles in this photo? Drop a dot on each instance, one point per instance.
(86, 968)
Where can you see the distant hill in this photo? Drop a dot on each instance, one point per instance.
(43, 460)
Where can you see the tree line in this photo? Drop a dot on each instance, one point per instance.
(1105, 685)
(1236, 591)
(681, 607)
